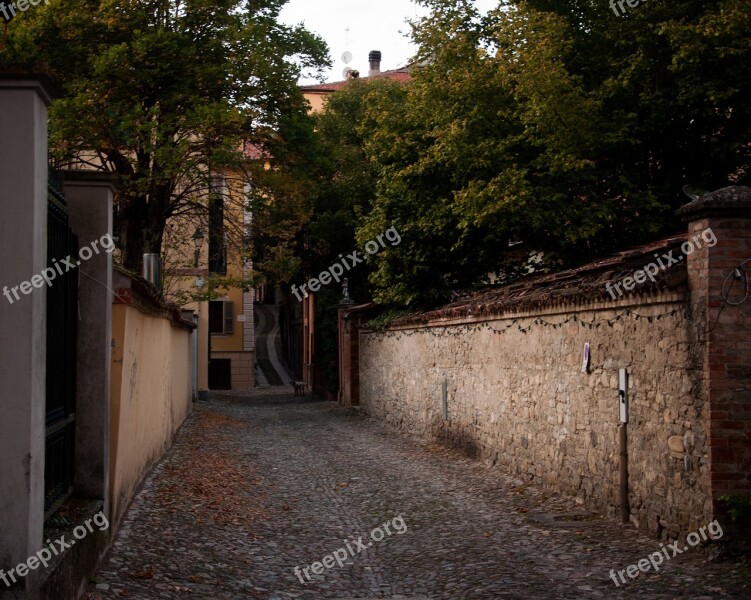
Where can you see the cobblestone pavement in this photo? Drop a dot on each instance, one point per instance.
(256, 485)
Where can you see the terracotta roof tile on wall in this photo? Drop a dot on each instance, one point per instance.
(582, 284)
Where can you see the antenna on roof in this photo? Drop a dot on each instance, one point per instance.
(346, 59)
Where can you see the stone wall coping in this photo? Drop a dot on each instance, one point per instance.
(661, 299)
(586, 285)
(25, 77)
(733, 201)
(80, 177)
(139, 293)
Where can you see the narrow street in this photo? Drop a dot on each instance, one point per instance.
(260, 483)
(270, 369)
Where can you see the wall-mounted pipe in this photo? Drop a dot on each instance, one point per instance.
(152, 270)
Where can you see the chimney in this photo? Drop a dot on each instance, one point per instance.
(375, 63)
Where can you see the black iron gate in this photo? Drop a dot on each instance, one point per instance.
(62, 317)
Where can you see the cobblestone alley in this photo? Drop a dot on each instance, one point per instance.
(258, 484)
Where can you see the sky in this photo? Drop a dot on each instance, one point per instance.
(373, 25)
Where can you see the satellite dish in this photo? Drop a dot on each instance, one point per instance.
(347, 57)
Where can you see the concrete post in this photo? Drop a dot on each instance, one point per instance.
(23, 246)
(89, 196)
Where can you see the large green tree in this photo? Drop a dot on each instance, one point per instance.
(307, 206)
(673, 81)
(555, 130)
(163, 92)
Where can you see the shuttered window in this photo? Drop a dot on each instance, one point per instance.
(221, 317)
(228, 312)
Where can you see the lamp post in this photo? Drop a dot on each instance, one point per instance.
(198, 241)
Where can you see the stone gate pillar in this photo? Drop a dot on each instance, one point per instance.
(23, 247)
(89, 196)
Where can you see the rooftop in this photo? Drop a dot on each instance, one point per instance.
(401, 74)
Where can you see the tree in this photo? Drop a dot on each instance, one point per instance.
(552, 129)
(164, 92)
(673, 81)
(306, 207)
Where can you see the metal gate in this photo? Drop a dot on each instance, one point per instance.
(62, 317)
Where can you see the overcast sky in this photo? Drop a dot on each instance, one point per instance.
(373, 25)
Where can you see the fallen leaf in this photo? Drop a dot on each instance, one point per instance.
(147, 573)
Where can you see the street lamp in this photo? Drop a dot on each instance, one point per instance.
(198, 241)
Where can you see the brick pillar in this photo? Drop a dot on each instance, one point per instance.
(722, 313)
(349, 356)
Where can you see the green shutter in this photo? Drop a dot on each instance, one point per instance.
(228, 314)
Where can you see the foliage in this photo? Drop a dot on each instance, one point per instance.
(279, 197)
(327, 336)
(169, 90)
(673, 81)
(382, 321)
(551, 127)
(738, 506)
(213, 287)
(306, 207)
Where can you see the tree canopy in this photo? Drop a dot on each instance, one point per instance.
(552, 130)
(163, 92)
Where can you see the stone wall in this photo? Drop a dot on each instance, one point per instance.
(521, 400)
(517, 396)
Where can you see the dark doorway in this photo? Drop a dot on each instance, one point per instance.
(220, 374)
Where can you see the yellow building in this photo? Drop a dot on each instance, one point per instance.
(200, 252)
(316, 94)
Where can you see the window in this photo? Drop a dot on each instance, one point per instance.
(221, 317)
